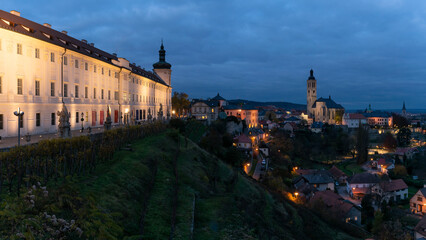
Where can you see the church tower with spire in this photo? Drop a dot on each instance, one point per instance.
(311, 93)
(163, 68)
(404, 111)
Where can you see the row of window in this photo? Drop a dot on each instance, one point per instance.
(139, 114)
(19, 51)
(135, 97)
(86, 65)
(37, 122)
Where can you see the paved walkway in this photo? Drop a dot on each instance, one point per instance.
(13, 141)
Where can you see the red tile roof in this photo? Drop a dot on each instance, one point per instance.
(334, 202)
(393, 185)
(356, 116)
(337, 173)
(243, 139)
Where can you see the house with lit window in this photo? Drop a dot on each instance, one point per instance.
(361, 183)
(249, 114)
(207, 110)
(353, 120)
(41, 68)
(394, 190)
(418, 202)
(379, 118)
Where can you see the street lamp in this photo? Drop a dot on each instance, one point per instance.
(19, 114)
(82, 122)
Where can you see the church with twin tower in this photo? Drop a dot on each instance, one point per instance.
(322, 109)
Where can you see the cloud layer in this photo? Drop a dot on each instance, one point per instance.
(361, 51)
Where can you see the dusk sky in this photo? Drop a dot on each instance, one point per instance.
(361, 51)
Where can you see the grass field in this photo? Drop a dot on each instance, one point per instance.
(350, 168)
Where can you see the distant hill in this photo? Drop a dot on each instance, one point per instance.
(284, 105)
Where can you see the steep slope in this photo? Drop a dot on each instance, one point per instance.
(164, 189)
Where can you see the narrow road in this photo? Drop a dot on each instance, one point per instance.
(257, 170)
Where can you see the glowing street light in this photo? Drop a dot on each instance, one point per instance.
(19, 114)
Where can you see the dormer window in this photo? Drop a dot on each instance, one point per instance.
(27, 28)
(47, 35)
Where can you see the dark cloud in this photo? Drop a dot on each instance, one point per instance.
(362, 51)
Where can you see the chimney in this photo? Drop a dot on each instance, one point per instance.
(47, 25)
(64, 32)
(84, 40)
(92, 44)
(115, 54)
(16, 13)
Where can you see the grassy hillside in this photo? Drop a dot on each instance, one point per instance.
(162, 189)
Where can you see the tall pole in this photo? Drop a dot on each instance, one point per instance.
(19, 114)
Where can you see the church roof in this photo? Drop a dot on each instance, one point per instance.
(328, 102)
(162, 64)
(218, 97)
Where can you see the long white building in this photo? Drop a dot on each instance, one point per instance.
(41, 68)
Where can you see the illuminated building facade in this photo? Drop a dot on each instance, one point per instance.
(41, 68)
(323, 109)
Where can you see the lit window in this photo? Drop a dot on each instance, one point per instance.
(19, 49)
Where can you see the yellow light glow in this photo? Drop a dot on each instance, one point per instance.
(173, 112)
(126, 110)
(296, 193)
(248, 164)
